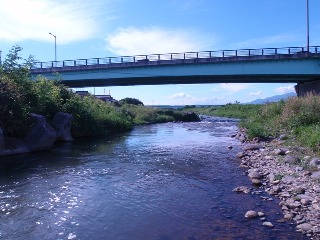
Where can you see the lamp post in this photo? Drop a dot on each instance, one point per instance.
(55, 47)
(308, 26)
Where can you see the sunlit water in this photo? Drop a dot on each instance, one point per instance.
(168, 181)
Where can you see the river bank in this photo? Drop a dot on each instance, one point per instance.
(290, 173)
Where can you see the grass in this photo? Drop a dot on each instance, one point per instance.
(297, 116)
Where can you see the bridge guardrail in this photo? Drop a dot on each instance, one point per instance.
(168, 57)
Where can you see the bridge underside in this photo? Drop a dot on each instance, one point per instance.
(166, 80)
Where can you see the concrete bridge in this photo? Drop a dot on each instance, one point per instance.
(266, 65)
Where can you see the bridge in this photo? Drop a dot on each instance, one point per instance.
(266, 65)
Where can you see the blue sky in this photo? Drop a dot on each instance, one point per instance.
(103, 28)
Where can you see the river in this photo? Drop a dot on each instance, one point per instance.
(161, 182)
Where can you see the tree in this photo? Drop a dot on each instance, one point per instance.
(132, 101)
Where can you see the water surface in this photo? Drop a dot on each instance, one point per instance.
(167, 181)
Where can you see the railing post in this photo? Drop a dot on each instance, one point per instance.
(52, 64)
(121, 59)
(197, 55)
(134, 59)
(236, 53)
(109, 60)
(184, 56)
(41, 64)
(262, 52)
(62, 63)
(171, 56)
(74, 63)
(159, 57)
(210, 54)
(86, 62)
(289, 51)
(249, 52)
(98, 61)
(276, 51)
(223, 54)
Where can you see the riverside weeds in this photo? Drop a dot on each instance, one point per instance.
(297, 117)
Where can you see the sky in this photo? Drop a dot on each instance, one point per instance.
(104, 28)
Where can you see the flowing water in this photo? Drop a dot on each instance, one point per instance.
(166, 181)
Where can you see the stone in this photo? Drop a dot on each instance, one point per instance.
(42, 135)
(242, 189)
(279, 152)
(251, 214)
(189, 117)
(283, 137)
(304, 227)
(268, 224)
(288, 216)
(256, 181)
(254, 175)
(315, 175)
(291, 159)
(230, 147)
(251, 147)
(62, 125)
(2, 142)
(315, 162)
(241, 155)
(261, 214)
(305, 202)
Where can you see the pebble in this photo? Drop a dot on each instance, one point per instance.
(268, 224)
(296, 186)
(251, 214)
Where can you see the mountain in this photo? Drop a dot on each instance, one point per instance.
(273, 99)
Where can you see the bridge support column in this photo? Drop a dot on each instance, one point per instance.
(303, 89)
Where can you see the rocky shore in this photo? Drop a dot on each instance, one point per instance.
(288, 172)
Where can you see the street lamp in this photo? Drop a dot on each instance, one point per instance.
(55, 46)
(308, 26)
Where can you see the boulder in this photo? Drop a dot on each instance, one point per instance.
(251, 147)
(316, 175)
(291, 159)
(42, 135)
(62, 125)
(190, 117)
(2, 142)
(304, 227)
(315, 162)
(251, 214)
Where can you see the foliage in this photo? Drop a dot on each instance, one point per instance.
(132, 101)
(300, 116)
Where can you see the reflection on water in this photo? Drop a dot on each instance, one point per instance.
(168, 181)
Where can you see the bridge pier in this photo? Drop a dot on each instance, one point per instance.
(303, 89)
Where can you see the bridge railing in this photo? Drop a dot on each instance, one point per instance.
(173, 57)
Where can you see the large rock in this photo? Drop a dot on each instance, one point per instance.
(315, 162)
(2, 142)
(291, 159)
(62, 124)
(190, 117)
(42, 136)
(251, 147)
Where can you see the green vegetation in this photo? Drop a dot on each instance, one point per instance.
(299, 117)
(20, 96)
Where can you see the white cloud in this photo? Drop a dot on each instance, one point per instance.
(133, 41)
(234, 87)
(258, 93)
(34, 19)
(179, 96)
(285, 89)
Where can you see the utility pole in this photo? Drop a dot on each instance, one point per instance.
(308, 26)
(0, 58)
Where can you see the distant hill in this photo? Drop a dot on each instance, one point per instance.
(273, 99)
